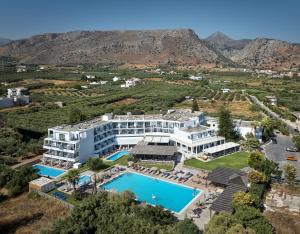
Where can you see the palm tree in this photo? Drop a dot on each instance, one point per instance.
(94, 191)
(255, 125)
(73, 177)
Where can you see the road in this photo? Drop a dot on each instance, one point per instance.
(291, 126)
(277, 152)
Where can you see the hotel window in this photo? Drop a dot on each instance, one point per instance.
(139, 124)
(130, 124)
(147, 124)
(62, 137)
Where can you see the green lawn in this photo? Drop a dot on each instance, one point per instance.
(121, 161)
(166, 166)
(236, 160)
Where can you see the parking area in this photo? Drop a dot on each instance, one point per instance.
(277, 152)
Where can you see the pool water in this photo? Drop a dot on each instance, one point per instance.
(84, 179)
(153, 191)
(117, 155)
(48, 171)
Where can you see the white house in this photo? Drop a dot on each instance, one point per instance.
(130, 83)
(15, 96)
(225, 90)
(242, 127)
(272, 100)
(90, 76)
(192, 77)
(21, 68)
(115, 79)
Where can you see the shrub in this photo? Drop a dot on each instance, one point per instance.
(95, 164)
(33, 195)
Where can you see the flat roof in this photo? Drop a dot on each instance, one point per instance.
(80, 126)
(157, 139)
(143, 148)
(41, 181)
(219, 148)
(172, 115)
(198, 128)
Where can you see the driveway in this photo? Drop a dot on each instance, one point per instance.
(277, 152)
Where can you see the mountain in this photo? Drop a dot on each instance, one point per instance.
(268, 53)
(225, 44)
(4, 41)
(257, 53)
(179, 46)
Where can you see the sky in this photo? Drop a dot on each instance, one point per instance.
(279, 19)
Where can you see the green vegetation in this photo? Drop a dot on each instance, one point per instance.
(111, 213)
(16, 181)
(242, 199)
(226, 126)
(95, 164)
(236, 160)
(251, 143)
(195, 106)
(166, 166)
(73, 177)
(296, 140)
(247, 216)
(76, 116)
(290, 173)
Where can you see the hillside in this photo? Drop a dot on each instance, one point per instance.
(225, 44)
(269, 53)
(180, 46)
(257, 53)
(4, 41)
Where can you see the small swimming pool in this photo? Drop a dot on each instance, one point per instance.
(117, 155)
(153, 191)
(48, 171)
(84, 179)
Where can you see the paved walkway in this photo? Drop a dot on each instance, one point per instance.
(27, 161)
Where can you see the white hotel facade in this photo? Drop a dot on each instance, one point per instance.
(69, 144)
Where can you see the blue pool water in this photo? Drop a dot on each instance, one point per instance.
(84, 179)
(154, 191)
(117, 155)
(48, 171)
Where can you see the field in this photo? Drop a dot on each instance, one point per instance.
(24, 215)
(236, 161)
(155, 94)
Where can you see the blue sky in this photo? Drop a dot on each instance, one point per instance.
(238, 19)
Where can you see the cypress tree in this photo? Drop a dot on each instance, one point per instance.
(226, 126)
(195, 106)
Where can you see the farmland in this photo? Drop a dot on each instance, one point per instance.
(156, 93)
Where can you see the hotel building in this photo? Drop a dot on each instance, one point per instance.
(68, 144)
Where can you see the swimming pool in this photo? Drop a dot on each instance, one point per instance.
(117, 155)
(153, 191)
(48, 171)
(84, 179)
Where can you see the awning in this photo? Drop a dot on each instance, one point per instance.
(219, 148)
(157, 139)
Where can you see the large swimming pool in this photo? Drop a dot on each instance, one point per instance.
(48, 171)
(153, 191)
(117, 155)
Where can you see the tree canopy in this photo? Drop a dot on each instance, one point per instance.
(119, 213)
(226, 126)
(290, 173)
